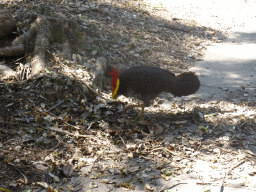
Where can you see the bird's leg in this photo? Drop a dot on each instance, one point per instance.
(132, 106)
(142, 110)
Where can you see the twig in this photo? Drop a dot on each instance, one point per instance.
(222, 183)
(175, 36)
(25, 116)
(250, 153)
(90, 125)
(54, 106)
(175, 185)
(122, 140)
(168, 151)
(16, 82)
(19, 58)
(65, 121)
(237, 165)
(93, 89)
(60, 141)
(162, 188)
(77, 134)
(66, 132)
(223, 180)
(121, 54)
(84, 83)
(58, 118)
(25, 178)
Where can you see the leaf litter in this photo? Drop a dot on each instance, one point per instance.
(58, 133)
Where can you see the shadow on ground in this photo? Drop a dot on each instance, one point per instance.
(118, 151)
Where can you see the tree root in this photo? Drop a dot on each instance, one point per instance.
(39, 35)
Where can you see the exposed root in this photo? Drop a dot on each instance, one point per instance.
(42, 32)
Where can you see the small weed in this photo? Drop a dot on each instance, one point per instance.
(138, 38)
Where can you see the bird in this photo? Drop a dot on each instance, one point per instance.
(146, 83)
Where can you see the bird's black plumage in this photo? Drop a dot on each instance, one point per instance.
(149, 82)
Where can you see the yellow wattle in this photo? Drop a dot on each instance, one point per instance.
(116, 89)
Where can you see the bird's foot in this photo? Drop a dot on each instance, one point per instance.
(140, 116)
(130, 107)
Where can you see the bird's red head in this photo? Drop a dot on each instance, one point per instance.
(114, 81)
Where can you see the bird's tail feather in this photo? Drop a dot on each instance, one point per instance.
(186, 84)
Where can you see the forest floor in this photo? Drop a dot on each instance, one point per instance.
(54, 137)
